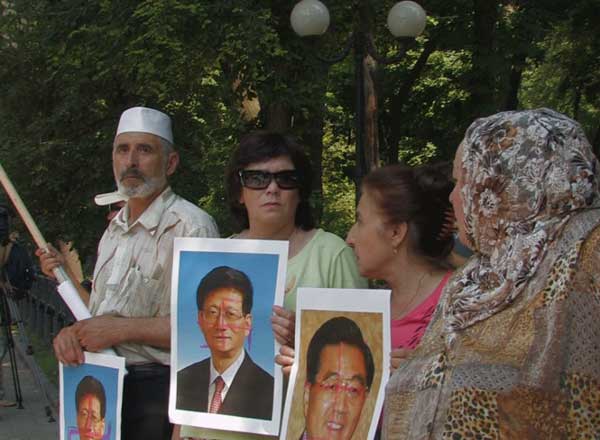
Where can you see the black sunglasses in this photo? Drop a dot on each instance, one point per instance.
(256, 179)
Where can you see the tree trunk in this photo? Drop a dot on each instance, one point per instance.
(371, 139)
(400, 98)
(313, 139)
(483, 84)
(577, 103)
(277, 117)
(514, 83)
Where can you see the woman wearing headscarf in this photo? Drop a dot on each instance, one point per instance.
(513, 350)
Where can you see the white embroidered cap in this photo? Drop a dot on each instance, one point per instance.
(146, 120)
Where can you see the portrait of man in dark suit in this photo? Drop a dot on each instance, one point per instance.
(229, 382)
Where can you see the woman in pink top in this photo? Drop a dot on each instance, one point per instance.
(406, 332)
(400, 237)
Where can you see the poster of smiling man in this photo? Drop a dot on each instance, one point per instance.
(223, 373)
(341, 366)
(91, 396)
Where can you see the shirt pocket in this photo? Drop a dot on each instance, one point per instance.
(143, 293)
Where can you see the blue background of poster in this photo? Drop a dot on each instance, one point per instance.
(262, 271)
(109, 378)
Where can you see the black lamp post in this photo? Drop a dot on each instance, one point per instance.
(406, 20)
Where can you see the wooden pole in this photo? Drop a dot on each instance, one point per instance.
(22, 210)
(66, 287)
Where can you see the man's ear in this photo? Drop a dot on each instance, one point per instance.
(172, 162)
(306, 397)
(248, 322)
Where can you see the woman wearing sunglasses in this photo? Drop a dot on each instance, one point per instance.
(268, 184)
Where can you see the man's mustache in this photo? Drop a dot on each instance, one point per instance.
(132, 172)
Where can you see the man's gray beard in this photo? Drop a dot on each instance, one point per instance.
(150, 186)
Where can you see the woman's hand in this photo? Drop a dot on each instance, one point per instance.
(285, 358)
(283, 323)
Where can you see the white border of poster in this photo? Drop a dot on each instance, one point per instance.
(110, 371)
(353, 304)
(264, 262)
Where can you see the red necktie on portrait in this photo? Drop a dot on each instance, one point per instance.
(215, 403)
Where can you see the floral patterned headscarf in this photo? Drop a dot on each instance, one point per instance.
(525, 174)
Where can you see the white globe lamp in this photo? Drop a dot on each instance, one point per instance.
(406, 19)
(310, 17)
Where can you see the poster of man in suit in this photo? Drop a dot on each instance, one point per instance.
(341, 366)
(223, 374)
(91, 397)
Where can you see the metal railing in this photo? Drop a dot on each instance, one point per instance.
(43, 311)
(40, 313)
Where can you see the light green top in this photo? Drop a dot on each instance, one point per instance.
(325, 261)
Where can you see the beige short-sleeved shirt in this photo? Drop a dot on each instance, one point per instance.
(132, 277)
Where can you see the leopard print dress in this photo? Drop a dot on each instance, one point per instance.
(531, 371)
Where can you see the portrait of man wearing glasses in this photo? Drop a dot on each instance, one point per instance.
(228, 382)
(90, 401)
(339, 375)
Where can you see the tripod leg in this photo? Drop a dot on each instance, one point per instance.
(10, 347)
(15, 375)
(33, 366)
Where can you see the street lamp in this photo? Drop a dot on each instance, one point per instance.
(406, 20)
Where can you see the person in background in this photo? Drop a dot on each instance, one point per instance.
(130, 298)
(15, 262)
(512, 351)
(16, 278)
(269, 183)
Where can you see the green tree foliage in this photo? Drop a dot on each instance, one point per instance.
(69, 68)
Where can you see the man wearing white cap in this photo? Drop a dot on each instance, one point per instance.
(130, 300)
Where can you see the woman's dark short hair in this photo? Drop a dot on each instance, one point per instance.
(260, 146)
(418, 196)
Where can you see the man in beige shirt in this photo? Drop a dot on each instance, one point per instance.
(130, 299)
